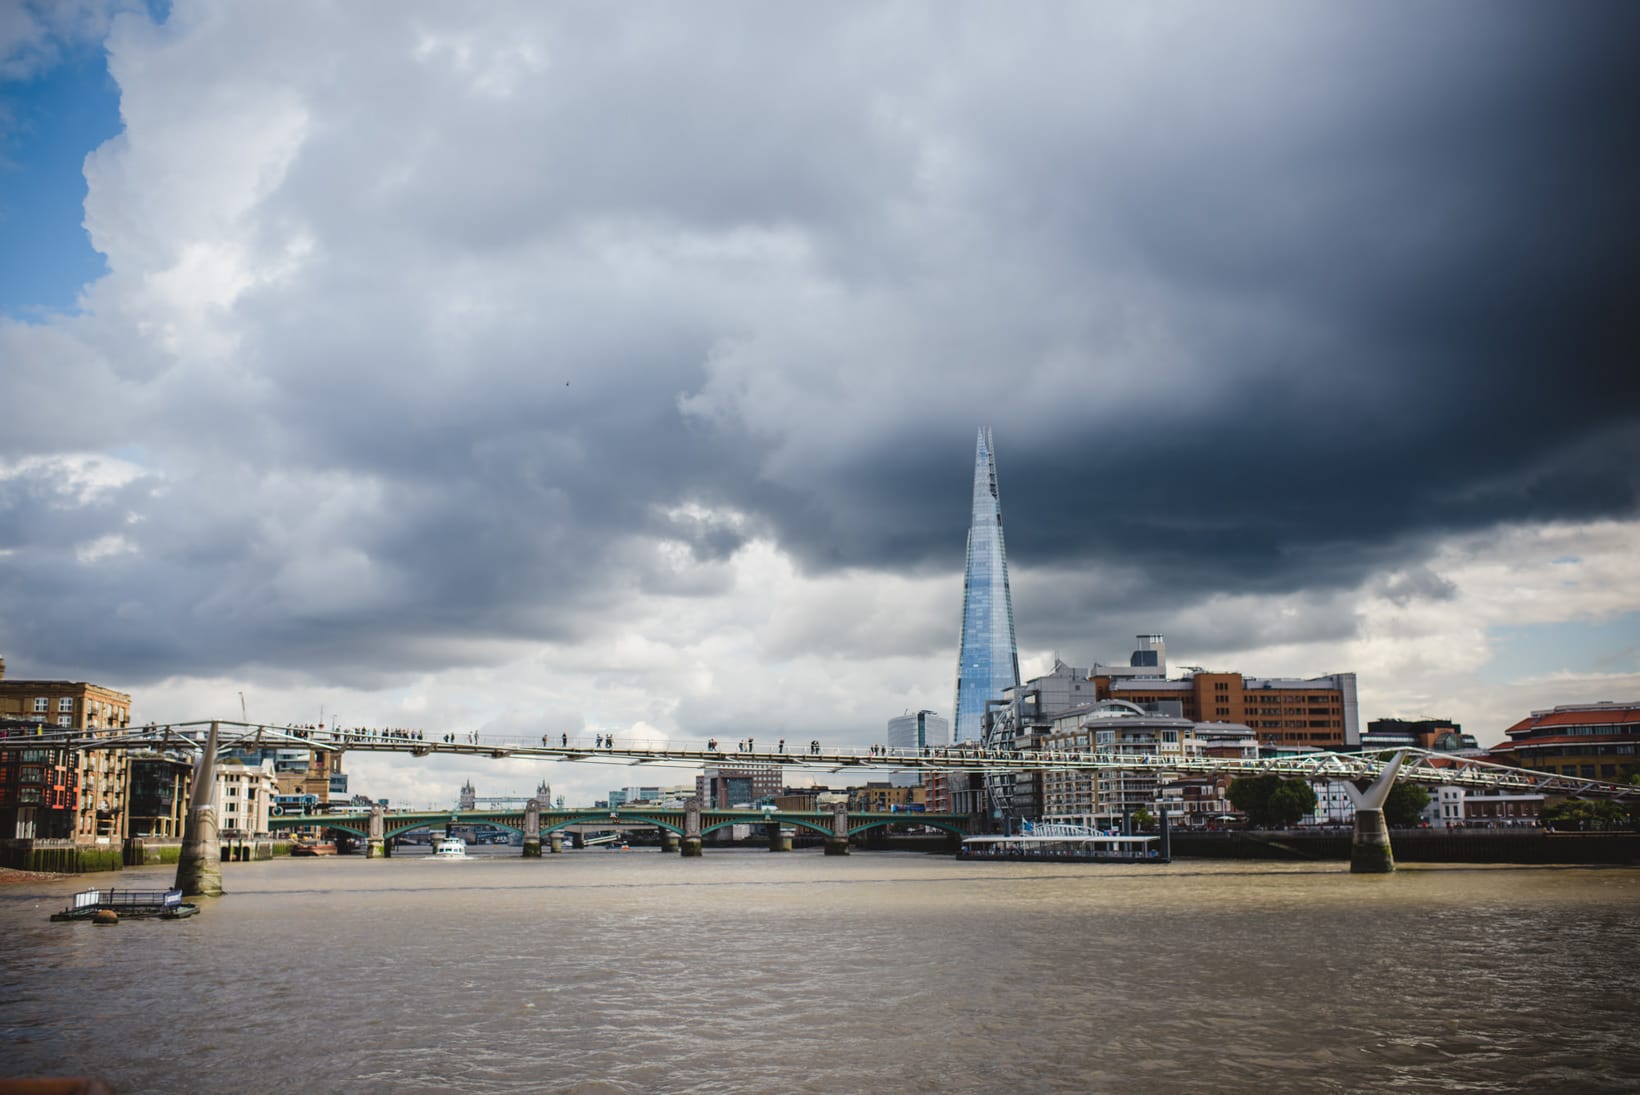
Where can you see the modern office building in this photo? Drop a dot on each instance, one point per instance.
(916, 732)
(1301, 713)
(1589, 740)
(1017, 722)
(1436, 735)
(158, 803)
(987, 654)
(728, 785)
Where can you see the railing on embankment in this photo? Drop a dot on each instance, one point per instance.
(1418, 846)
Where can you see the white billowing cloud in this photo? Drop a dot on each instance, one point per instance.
(35, 33)
(73, 479)
(1425, 656)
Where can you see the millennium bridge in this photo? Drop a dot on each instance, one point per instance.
(1370, 852)
(1415, 765)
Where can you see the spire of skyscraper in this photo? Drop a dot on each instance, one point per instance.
(987, 657)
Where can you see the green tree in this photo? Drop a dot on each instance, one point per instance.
(1577, 813)
(1143, 818)
(1291, 801)
(1405, 804)
(1270, 800)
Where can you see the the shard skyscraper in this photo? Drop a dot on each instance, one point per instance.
(987, 658)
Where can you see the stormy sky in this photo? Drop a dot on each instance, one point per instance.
(563, 368)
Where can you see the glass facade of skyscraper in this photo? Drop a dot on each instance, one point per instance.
(987, 657)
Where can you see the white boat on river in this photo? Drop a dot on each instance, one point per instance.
(451, 847)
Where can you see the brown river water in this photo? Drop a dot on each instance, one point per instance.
(746, 971)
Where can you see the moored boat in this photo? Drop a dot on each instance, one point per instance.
(313, 847)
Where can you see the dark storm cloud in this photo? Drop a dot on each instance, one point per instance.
(1256, 301)
(1398, 269)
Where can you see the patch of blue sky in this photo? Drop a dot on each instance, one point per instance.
(51, 121)
(1610, 645)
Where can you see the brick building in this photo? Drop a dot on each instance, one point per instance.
(1305, 713)
(1589, 740)
(100, 777)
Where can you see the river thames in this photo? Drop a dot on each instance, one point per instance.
(746, 971)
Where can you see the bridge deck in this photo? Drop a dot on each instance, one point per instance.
(1419, 765)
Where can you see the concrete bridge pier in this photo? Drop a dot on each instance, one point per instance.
(837, 842)
(669, 840)
(555, 842)
(199, 866)
(532, 829)
(1370, 851)
(690, 846)
(779, 841)
(376, 844)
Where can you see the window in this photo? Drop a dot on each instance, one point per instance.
(33, 775)
(65, 703)
(65, 720)
(41, 705)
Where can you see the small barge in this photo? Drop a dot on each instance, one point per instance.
(307, 847)
(138, 904)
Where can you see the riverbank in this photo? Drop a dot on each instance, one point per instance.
(11, 876)
(1527, 846)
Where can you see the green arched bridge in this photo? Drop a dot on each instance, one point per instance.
(674, 820)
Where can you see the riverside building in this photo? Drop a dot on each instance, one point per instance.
(1018, 722)
(244, 795)
(1588, 740)
(1105, 797)
(1305, 713)
(100, 778)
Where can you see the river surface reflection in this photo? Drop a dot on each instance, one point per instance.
(746, 971)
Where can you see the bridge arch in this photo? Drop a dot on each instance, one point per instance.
(320, 821)
(624, 821)
(766, 819)
(910, 819)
